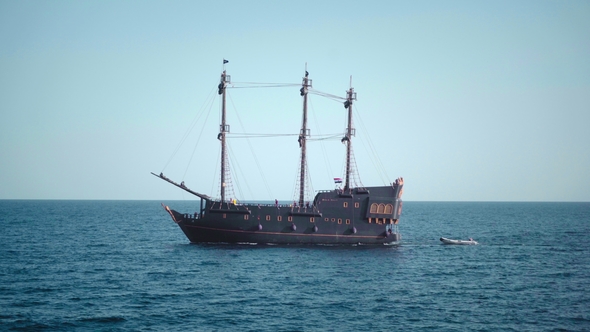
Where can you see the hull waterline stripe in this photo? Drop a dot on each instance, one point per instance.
(289, 234)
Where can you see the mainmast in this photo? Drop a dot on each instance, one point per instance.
(223, 128)
(350, 96)
(305, 84)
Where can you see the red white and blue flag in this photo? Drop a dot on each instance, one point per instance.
(337, 180)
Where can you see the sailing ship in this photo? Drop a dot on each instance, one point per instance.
(350, 214)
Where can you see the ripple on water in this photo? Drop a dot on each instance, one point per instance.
(106, 272)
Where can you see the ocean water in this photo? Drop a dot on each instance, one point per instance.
(124, 265)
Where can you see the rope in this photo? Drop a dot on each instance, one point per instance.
(191, 127)
(268, 190)
(214, 175)
(322, 146)
(245, 178)
(261, 85)
(249, 135)
(281, 84)
(327, 95)
(197, 143)
(381, 170)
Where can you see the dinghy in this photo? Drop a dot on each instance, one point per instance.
(451, 241)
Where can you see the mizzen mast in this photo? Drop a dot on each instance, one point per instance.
(350, 96)
(223, 128)
(305, 84)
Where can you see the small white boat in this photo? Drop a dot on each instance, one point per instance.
(451, 241)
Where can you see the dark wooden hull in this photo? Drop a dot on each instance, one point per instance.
(367, 216)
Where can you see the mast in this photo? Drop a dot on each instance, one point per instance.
(350, 96)
(223, 128)
(305, 84)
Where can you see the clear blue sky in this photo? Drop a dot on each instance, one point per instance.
(467, 100)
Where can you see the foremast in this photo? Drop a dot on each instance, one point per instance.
(305, 85)
(350, 96)
(223, 129)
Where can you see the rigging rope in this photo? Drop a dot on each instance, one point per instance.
(215, 175)
(237, 166)
(322, 146)
(327, 95)
(331, 137)
(255, 85)
(234, 163)
(308, 193)
(268, 190)
(261, 85)
(354, 171)
(285, 84)
(197, 143)
(381, 170)
(191, 127)
(248, 135)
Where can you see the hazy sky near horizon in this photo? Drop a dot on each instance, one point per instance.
(467, 100)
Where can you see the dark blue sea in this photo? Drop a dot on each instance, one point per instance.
(125, 266)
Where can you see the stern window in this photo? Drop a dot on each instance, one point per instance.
(388, 209)
(374, 207)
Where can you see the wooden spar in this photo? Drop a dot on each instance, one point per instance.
(161, 176)
(303, 138)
